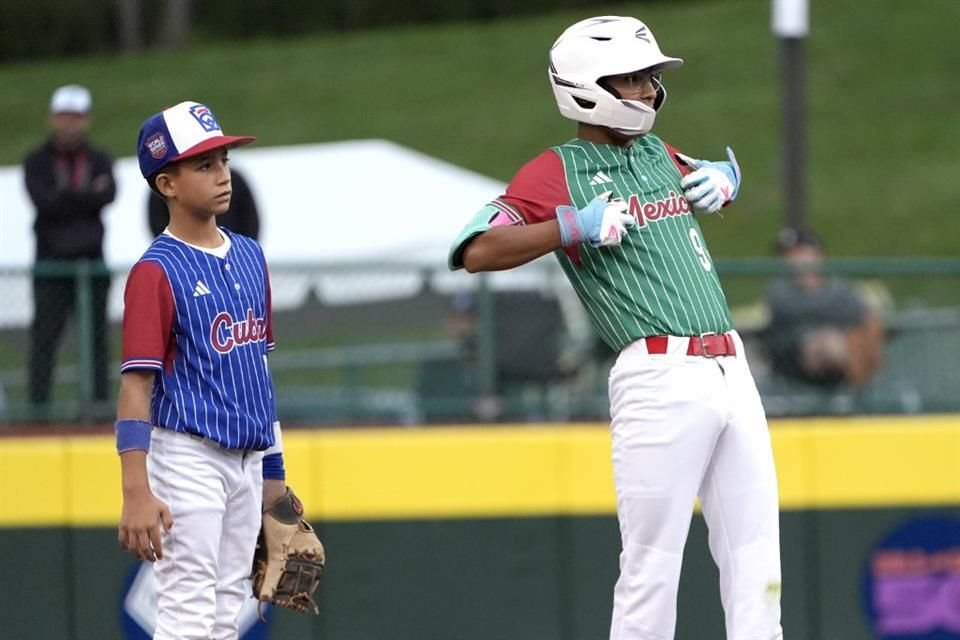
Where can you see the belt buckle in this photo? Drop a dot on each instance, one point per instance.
(704, 351)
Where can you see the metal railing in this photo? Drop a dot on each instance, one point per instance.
(408, 344)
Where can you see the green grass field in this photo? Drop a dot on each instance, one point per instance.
(882, 105)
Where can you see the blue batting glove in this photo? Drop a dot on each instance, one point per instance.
(600, 223)
(712, 184)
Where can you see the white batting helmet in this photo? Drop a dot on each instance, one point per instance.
(605, 46)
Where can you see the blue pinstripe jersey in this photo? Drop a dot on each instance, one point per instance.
(202, 321)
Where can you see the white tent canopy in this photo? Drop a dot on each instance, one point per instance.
(359, 202)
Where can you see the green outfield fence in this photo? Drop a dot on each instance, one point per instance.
(408, 344)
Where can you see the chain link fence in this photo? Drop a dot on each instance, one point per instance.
(404, 344)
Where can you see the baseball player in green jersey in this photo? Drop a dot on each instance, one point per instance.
(616, 206)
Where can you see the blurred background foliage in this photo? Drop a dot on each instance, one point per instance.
(882, 93)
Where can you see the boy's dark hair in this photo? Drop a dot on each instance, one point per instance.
(172, 167)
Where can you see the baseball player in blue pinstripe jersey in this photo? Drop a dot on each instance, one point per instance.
(197, 429)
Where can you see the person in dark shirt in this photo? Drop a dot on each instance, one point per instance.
(821, 329)
(70, 181)
(241, 217)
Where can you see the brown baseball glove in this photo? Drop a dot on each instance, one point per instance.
(289, 558)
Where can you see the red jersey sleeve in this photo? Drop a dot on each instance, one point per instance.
(147, 319)
(672, 151)
(536, 191)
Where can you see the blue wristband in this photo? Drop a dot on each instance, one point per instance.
(273, 467)
(132, 434)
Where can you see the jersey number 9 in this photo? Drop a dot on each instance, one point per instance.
(700, 250)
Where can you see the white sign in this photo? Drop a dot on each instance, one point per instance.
(141, 602)
(791, 18)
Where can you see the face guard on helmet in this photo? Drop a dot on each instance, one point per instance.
(595, 48)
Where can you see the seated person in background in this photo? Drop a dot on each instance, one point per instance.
(821, 328)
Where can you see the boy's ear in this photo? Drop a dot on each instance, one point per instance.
(165, 184)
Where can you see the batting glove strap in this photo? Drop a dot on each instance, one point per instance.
(580, 225)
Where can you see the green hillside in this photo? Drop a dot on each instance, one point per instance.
(882, 105)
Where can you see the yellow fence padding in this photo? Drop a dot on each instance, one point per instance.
(496, 471)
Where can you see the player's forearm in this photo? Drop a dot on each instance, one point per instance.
(274, 474)
(136, 389)
(133, 473)
(133, 403)
(507, 247)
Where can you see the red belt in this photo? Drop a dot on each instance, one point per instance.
(708, 345)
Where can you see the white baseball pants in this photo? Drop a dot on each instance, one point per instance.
(215, 496)
(685, 427)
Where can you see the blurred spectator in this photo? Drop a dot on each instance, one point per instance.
(241, 217)
(821, 328)
(69, 181)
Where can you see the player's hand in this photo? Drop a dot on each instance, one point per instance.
(143, 515)
(602, 223)
(712, 184)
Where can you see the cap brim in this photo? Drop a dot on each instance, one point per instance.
(210, 144)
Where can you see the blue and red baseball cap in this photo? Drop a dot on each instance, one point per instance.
(182, 131)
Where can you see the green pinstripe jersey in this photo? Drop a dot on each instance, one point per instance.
(661, 279)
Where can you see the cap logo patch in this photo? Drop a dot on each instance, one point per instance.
(641, 34)
(205, 117)
(156, 145)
